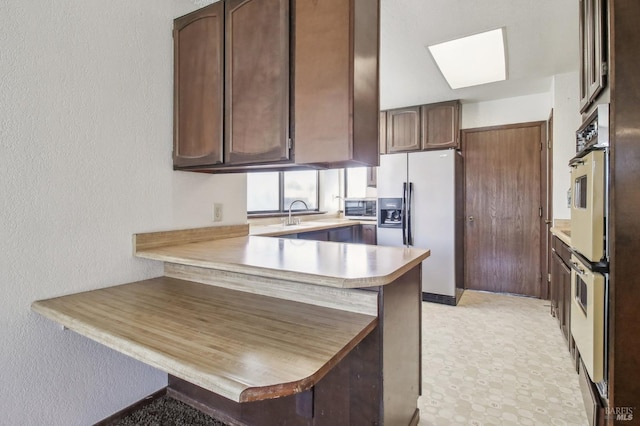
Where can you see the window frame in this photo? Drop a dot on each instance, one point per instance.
(284, 210)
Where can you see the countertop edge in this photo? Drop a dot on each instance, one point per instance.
(561, 234)
(322, 280)
(281, 230)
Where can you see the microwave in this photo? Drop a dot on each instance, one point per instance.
(360, 208)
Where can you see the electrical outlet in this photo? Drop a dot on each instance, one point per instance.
(217, 212)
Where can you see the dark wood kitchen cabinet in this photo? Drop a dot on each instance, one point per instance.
(238, 106)
(403, 130)
(368, 234)
(336, 93)
(561, 286)
(382, 135)
(198, 40)
(423, 127)
(231, 87)
(440, 125)
(257, 81)
(593, 50)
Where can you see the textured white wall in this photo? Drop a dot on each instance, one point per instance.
(85, 162)
(521, 109)
(566, 120)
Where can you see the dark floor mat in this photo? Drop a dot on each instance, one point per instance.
(166, 411)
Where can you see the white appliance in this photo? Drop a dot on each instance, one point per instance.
(432, 215)
(590, 246)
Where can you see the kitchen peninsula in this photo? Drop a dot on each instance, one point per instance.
(259, 330)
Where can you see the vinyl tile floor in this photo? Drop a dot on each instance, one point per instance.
(491, 360)
(496, 360)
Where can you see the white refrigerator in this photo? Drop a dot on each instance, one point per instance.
(433, 215)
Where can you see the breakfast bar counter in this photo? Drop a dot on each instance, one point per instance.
(322, 263)
(309, 332)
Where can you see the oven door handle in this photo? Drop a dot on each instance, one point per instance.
(576, 267)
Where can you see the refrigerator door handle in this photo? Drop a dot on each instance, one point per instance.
(409, 202)
(404, 213)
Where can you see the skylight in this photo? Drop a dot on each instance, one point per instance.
(472, 60)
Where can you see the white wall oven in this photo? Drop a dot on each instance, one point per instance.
(589, 244)
(588, 316)
(588, 205)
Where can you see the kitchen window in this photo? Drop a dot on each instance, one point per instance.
(273, 192)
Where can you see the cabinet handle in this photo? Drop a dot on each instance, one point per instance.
(470, 218)
(577, 268)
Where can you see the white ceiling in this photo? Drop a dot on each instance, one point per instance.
(541, 39)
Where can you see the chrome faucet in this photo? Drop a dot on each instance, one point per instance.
(294, 221)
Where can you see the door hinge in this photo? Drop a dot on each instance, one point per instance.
(605, 68)
(540, 211)
(549, 144)
(548, 278)
(289, 144)
(540, 145)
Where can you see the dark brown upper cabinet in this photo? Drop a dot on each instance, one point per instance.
(440, 125)
(403, 130)
(248, 100)
(257, 81)
(382, 135)
(336, 95)
(593, 50)
(198, 87)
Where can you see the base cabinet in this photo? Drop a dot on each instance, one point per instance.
(346, 234)
(561, 286)
(368, 234)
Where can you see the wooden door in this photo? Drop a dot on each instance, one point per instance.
(440, 125)
(403, 130)
(503, 208)
(257, 81)
(198, 87)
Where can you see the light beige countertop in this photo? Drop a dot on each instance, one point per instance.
(278, 229)
(330, 264)
(243, 346)
(563, 233)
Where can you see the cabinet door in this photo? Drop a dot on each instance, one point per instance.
(336, 97)
(561, 293)
(382, 135)
(314, 235)
(593, 50)
(198, 87)
(257, 81)
(440, 125)
(554, 284)
(342, 235)
(403, 130)
(368, 234)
